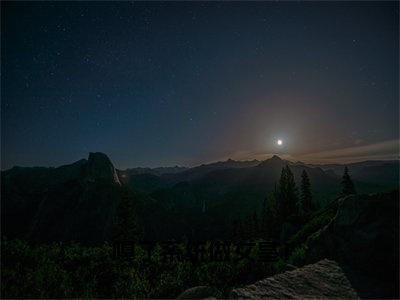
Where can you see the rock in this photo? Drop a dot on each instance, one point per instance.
(99, 166)
(364, 234)
(324, 279)
(364, 237)
(200, 292)
(289, 267)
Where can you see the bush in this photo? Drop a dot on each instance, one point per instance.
(73, 271)
(298, 256)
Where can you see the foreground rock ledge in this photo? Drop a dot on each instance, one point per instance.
(324, 279)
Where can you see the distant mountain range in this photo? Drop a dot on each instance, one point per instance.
(254, 172)
(78, 201)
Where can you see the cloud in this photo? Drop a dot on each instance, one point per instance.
(259, 155)
(382, 150)
(378, 151)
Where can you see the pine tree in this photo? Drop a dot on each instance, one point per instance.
(286, 195)
(306, 205)
(347, 183)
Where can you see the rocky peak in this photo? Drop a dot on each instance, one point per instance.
(275, 158)
(99, 166)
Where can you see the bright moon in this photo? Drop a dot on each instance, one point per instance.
(279, 142)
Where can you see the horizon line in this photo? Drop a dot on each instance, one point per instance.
(283, 157)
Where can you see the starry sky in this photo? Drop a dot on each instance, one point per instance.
(183, 83)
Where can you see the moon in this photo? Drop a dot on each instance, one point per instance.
(279, 142)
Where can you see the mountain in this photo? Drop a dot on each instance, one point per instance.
(142, 178)
(222, 177)
(155, 171)
(71, 202)
(149, 180)
(79, 201)
(87, 200)
(219, 197)
(381, 172)
(211, 197)
(264, 175)
(99, 167)
(198, 172)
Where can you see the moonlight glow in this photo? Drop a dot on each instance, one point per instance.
(287, 89)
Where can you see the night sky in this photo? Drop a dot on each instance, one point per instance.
(159, 84)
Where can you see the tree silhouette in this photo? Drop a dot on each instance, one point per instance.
(306, 205)
(347, 183)
(286, 195)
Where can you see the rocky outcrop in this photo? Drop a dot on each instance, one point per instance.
(363, 234)
(99, 166)
(322, 280)
(364, 237)
(72, 202)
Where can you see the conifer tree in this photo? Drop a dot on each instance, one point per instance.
(306, 205)
(347, 183)
(286, 195)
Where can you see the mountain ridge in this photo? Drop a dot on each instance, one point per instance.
(88, 191)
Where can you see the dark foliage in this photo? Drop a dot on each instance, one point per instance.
(73, 271)
(306, 205)
(286, 196)
(347, 183)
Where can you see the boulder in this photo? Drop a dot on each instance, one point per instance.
(200, 292)
(324, 279)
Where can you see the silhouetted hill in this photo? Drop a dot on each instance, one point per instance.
(99, 167)
(71, 202)
(198, 172)
(266, 173)
(382, 172)
(156, 171)
(78, 201)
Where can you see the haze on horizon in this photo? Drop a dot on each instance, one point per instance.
(162, 84)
